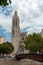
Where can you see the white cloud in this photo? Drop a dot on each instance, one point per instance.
(5, 22)
(30, 13)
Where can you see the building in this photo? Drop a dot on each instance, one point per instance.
(15, 32)
(23, 36)
(41, 33)
(2, 40)
(17, 36)
(22, 45)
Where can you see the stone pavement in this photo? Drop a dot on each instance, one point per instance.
(30, 62)
(9, 61)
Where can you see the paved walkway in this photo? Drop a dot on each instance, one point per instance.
(31, 62)
(26, 62)
(21, 62)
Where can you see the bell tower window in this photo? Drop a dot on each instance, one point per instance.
(16, 22)
(13, 32)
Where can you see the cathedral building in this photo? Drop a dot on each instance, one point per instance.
(17, 36)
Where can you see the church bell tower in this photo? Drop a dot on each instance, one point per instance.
(15, 32)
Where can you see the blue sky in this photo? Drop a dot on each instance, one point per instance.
(30, 13)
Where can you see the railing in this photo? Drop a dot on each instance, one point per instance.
(38, 57)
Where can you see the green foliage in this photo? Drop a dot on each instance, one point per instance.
(11, 46)
(6, 48)
(34, 43)
(4, 2)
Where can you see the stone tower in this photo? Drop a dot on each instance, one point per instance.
(15, 32)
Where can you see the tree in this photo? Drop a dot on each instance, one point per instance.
(11, 46)
(6, 48)
(4, 2)
(34, 43)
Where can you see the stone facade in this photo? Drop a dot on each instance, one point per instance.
(23, 36)
(15, 32)
(17, 36)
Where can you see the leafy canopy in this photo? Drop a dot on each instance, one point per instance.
(4, 2)
(34, 43)
(6, 48)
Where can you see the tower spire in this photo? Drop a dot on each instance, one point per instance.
(16, 19)
(15, 32)
(15, 15)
